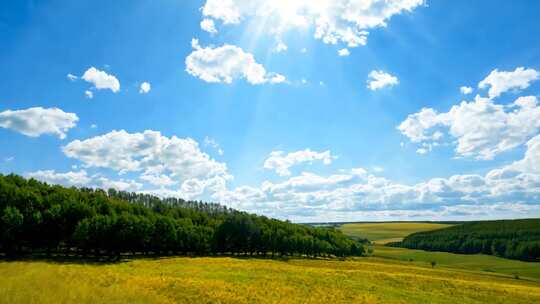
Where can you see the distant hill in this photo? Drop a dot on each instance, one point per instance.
(513, 239)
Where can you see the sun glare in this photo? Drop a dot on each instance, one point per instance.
(296, 13)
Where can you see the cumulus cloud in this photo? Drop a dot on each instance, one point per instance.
(500, 82)
(101, 80)
(379, 79)
(531, 162)
(144, 88)
(227, 63)
(344, 52)
(83, 179)
(350, 194)
(465, 90)
(160, 180)
(355, 194)
(340, 21)
(481, 128)
(281, 162)
(160, 159)
(37, 121)
(208, 26)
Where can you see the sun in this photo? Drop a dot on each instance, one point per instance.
(295, 12)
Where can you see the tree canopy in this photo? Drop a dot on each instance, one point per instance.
(36, 217)
(513, 239)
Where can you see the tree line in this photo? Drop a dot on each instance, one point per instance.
(513, 239)
(38, 218)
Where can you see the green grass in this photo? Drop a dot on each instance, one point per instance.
(382, 233)
(230, 280)
(471, 262)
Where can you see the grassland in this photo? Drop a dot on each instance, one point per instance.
(390, 275)
(232, 280)
(382, 233)
(472, 262)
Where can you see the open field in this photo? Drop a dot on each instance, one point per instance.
(232, 280)
(472, 262)
(382, 233)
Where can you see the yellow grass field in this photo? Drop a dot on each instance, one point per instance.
(382, 233)
(233, 280)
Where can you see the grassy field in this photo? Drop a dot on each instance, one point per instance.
(474, 262)
(391, 275)
(382, 233)
(231, 280)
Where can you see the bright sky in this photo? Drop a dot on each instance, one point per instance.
(330, 110)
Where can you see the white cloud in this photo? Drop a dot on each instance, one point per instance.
(82, 179)
(357, 195)
(339, 21)
(281, 162)
(71, 77)
(481, 128)
(161, 180)
(210, 142)
(227, 63)
(344, 52)
(153, 154)
(352, 194)
(88, 94)
(101, 80)
(500, 82)
(531, 162)
(422, 151)
(93, 126)
(37, 121)
(277, 78)
(465, 90)
(280, 47)
(208, 26)
(379, 79)
(144, 88)
(226, 11)
(378, 169)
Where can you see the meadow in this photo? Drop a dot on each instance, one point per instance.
(237, 280)
(468, 262)
(382, 233)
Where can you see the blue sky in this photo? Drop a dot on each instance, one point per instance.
(262, 113)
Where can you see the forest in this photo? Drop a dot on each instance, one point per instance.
(512, 239)
(38, 218)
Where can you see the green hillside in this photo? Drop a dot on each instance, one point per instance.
(514, 239)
